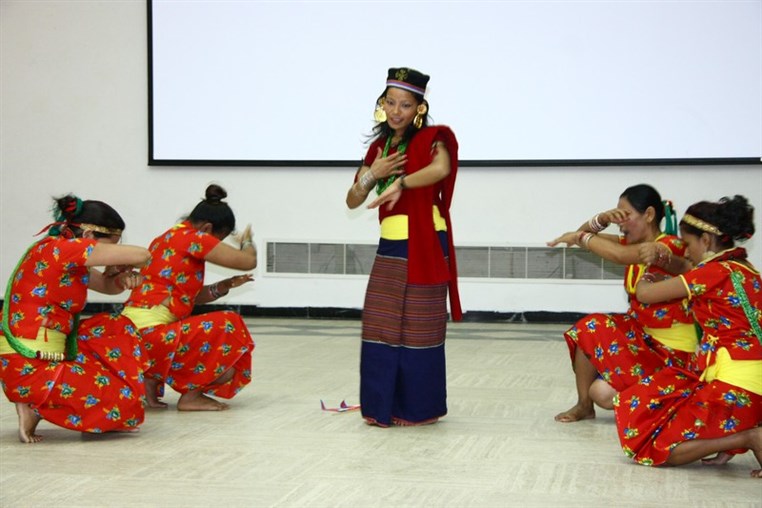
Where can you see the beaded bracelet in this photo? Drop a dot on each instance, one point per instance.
(246, 243)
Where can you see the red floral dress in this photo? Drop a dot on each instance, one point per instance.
(102, 388)
(619, 345)
(677, 405)
(193, 351)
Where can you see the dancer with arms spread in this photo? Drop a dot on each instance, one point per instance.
(612, 351)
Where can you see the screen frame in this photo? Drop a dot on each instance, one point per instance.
(497, 163)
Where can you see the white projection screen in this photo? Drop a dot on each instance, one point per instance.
(269, 83)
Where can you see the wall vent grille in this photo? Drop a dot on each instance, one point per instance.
(476, 262)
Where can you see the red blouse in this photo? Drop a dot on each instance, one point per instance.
(50, 286)
(175, 271)
(717, 308)
(662, 314)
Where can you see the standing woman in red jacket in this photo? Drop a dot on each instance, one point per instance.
(410, 167)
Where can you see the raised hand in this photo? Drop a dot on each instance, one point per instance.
(383, 167)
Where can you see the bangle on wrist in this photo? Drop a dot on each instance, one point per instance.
(247, 243)
(402, 182)
(214, 290)
(367, 180)
(583, 239)
(595, 225)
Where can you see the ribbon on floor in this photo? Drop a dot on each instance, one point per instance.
(343, 407)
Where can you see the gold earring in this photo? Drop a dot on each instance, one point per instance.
(420, 111)
(379, 115)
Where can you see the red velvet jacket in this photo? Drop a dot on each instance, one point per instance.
(423, 267)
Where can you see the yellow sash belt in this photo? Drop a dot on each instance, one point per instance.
(47, 340)
(394, 227)
(143, 318)
(746, 374)
(682, 337)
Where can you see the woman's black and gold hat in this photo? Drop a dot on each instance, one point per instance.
(407, 79)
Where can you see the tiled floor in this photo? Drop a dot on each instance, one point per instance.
(498, 446)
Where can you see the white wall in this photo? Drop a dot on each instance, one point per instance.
(74, 118)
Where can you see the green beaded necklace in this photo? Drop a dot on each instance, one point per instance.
(384, 183)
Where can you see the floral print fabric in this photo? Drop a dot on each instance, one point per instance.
(676, 405)
(102, 388)
(193, 351)
(619, 346)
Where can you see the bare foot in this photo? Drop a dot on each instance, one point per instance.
(718, 460)
(575, 414)
(756, 447)
(28, 421)
(197, 401)
(151, 399)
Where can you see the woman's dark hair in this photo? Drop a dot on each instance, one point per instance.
(734, 217)
(214, 211)
(642, 196)
(382, 130)
(73, 211)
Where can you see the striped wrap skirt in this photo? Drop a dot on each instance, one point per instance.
(402, 359)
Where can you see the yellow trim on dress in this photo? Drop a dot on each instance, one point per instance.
(395, 227)
(634, 273)
(681, 336)
(47, 340)
(143, 318)
(746, 374)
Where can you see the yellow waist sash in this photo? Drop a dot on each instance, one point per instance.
(394, 227)
(47, 340)
(746, 374)
(682, 337)
(143, 318)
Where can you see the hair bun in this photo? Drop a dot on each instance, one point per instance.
(215, 194)
(68, 206)
(735, 217)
